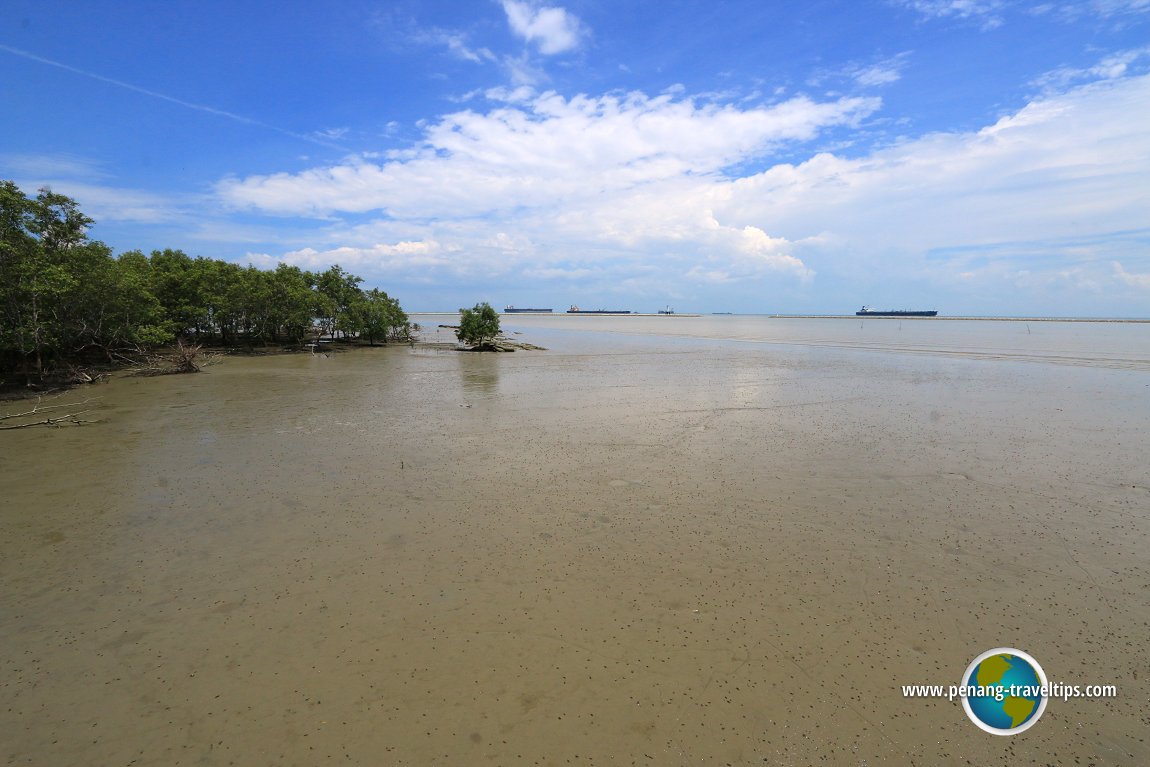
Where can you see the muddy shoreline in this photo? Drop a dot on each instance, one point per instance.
(663, 551)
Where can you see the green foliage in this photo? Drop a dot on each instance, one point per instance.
(65, 298)
(41, 239)
(115, 311)
(377, 316)
(339, 293)
(289, 300)
(478, 325)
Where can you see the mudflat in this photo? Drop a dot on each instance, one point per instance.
(640, 548)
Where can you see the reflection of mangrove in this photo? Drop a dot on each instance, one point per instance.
(481, 381)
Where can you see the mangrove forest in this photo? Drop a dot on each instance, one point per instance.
(67, 301)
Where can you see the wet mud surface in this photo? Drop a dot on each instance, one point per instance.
(623, 550)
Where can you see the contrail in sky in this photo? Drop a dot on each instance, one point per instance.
(153, 94)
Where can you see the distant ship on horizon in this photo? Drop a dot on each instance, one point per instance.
(512, 310)
(867, 311)
(576, 310)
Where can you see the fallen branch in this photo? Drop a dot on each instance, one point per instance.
(80, 376)
(50, 420)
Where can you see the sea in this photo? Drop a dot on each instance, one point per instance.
(1117, 343)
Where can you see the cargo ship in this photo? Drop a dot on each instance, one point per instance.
(576, 310)
(866, 311)
(513, 310)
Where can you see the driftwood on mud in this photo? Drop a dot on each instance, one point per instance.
(185, 358)
(48, 415)
(79, 376)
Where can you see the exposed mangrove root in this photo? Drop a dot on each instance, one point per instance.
(185, 358)
(500, 344)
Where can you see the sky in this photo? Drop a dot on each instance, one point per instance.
(979, 157)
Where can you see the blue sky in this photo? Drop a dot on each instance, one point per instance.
(975, 156)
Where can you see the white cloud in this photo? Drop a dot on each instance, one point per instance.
(522, 71)
(335, 134)
(991, 12)
(541, 179)
(379, 257)
(1112, 67)
(115, 205)
(552, 29)
(630, 189)
(1141, 281)
(547, 149)
(986, 11)
(456, 43)
(44, 166)
(1037, 205)
(713, 276)
(765, 252)
(870, 75)
(1063, 165)
(883, 73)
(559, 273)
(1111, 7)
(747, 253)
(107, 204)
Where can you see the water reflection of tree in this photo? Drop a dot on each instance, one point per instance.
(480, 374)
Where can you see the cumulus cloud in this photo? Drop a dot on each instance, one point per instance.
(537, 149)
(1064, 164)
(379, 257)
(758, 248)
(587, 178)
(552, 29)
(634, 189)
(746, 253)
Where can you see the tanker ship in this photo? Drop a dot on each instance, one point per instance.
(866, 311)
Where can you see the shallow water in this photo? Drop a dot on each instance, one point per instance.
(645, 545)
(1117, 344)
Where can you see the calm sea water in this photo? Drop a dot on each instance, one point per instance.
(1121, 345)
